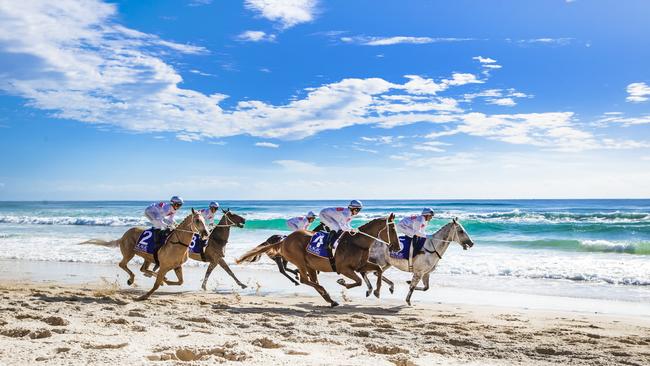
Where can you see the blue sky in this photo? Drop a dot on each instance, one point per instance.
(269, 99)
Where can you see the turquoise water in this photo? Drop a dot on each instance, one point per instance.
(604, 242)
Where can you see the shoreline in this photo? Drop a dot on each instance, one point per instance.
(266, 281)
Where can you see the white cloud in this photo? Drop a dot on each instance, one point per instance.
(389, 41)
(638, 92)
(286, 12)
(618, 118)
(267, 144)
(255, 36)
(546, 40)
(297, 166)
(484, 60)
(506, 102)
(199, 2)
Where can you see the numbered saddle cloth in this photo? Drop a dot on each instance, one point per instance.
(405, 246)
(197, 245)
(317, 245)
(146, 243)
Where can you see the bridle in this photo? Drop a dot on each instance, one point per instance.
(435, 250)
(194, 230)
(229, 222)
(379, 233)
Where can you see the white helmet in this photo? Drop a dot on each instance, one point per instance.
(311, 214)
(355, 204)
(427, 211)
(176, 200)
(214, 204)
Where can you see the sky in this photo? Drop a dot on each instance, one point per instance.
(314, 99)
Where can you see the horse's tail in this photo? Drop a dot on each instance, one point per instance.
(104, 243)
(254, 254)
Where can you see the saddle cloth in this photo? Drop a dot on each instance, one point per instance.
(197, 245)
(317, 245)
(145, 242)
(405, 246)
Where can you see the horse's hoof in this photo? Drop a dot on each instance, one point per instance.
(296, 283)
(243, 286)
(129, 282)
(334, 303)
(391, 290)
(408, 282)
(341, 282)
(147, 275)
(376, 294)
(408, 302)
(367, 293)
(141, 298)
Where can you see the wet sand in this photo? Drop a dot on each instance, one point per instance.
(53, 323)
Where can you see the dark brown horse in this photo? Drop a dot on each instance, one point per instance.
(350, 257)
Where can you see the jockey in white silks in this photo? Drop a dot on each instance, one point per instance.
(208, 213)
(414, 227)
(161, 214)
(301, 222)
(338, 219)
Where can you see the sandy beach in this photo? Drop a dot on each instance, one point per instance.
(54, 323)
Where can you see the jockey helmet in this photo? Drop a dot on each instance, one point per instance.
(176, 201)
(355, 204)
(214, 204)
(427, 211)
(311, 215)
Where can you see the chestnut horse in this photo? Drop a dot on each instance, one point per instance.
(351, 255)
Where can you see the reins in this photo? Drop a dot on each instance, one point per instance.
(435, 250)
(379, 233)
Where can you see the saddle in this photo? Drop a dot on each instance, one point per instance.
(322, 245)
(410, 247)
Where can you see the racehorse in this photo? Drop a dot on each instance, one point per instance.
(423, 264)
(351, 255)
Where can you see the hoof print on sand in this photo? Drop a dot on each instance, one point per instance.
(265, 343)
(55, 321)
(15, 333)
(41, 333)
(385, 350)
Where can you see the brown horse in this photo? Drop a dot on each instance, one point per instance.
(350, 257)
(171, 255)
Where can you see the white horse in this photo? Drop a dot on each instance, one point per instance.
(434, 248)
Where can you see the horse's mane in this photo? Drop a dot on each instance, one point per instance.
(443, 226)
(372, 222)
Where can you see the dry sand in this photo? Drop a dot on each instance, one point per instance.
(44, 323)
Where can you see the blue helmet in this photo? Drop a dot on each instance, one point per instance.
(311, 214)
(176, 200)
(214, 204)
(355, 204)
(427, 211)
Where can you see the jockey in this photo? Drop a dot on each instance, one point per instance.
(301, 222)
(415, 225)
(338, 219)
(161, 215)
(208, 213)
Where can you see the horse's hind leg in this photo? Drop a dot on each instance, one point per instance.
(224, 265)
(160, 277)
(124, 265)
(179, 274)
(305, 279)
(145, 269)
(285, 265)
(351, 275)
(211, 267)
(391, 285)
(425, 281)
(281, 267)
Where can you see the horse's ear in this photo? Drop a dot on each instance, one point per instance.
(391, 217)
(455, 219)
(228, 209)
(193, 212)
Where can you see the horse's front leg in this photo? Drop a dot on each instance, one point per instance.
(372, 267)
(368, 284)
(224, 265)
(414, 282)
(179, 274)
(349, 273)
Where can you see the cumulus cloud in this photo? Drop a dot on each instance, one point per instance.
(638, 92)
(255, 36)
(484, 60)
(267, 144)
(287, 13)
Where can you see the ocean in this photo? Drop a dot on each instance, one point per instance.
(576, 248)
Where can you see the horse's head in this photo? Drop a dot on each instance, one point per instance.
(460, 235)
(198, 225)
(233, 219)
